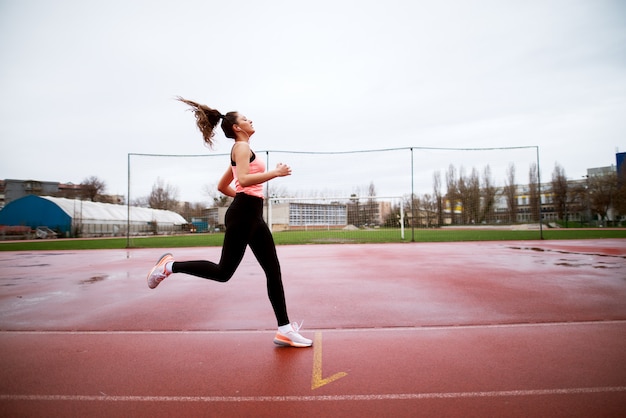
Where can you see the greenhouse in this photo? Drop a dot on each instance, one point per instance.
(74, 218)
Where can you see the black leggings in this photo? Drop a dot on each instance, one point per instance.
(244, 226)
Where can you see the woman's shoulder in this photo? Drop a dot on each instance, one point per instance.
(241, 146)
(241, 149)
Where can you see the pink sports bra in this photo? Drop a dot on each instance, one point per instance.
(256, 166)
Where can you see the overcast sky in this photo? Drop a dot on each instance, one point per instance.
(83, 83)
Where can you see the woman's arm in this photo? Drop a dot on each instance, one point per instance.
(241, 155)
(224, 183)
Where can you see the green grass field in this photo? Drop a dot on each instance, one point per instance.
(315, 237)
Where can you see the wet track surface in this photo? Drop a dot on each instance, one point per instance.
(451, 329)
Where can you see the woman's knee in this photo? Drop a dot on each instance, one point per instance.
(225, 274)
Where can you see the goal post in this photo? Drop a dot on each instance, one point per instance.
(440, 190)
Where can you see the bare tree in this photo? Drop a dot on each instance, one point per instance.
(452, 193)
(371, 210)
(438, 197)
(92, 188)
(472, 198)
(163, 196)
(407, 201)
(217, 198)
(428, 206)
(533, 191)
(620, 197)
(488, 196)
(363, 213)
(510, 190)
(278, 191)
(416, 215)
(141, 201)
(578, 200)
(191, 210)
(603, 192)
(462, 195)
(469, 196)
(559, 191)
(392, 220)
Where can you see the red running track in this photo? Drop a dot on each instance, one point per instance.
(453, 329)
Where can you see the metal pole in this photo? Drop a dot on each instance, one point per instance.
(412, 200)
(401, 219)
(539, 193)
(128, 206)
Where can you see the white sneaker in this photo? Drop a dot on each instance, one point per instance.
(292, 338)
(158, 273)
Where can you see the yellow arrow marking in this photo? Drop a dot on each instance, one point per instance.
(317, 381)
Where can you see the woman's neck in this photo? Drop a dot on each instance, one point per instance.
(242, 137)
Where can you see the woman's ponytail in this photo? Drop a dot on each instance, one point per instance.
(206, 119)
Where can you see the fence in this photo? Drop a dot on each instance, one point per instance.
(429, 188)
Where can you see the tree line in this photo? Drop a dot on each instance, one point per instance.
(458, 197)
(461, 198)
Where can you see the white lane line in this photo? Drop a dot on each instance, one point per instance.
(364, 329)
(372, 397)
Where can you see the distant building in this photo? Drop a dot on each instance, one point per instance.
(620, 160)
(70, 191)
(601, 171)
(301, 215)
(289, 216)
(79, 218)
(16, 189)
(11, 189)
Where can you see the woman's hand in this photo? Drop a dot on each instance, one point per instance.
(282, 170)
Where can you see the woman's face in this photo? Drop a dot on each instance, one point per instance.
(245, 124)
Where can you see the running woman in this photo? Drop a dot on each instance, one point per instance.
(244, 219)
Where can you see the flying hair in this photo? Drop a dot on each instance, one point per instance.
(208, 118)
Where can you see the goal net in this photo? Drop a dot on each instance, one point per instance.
(401, 194)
